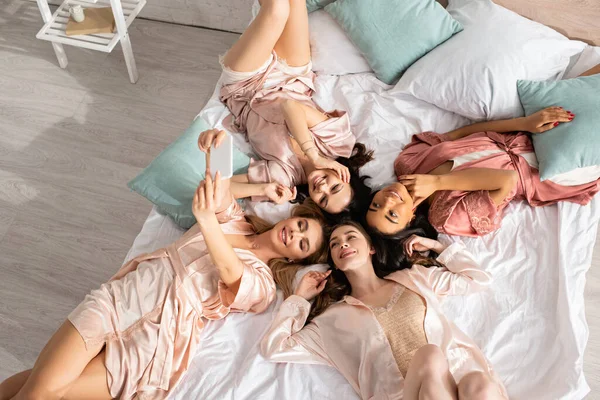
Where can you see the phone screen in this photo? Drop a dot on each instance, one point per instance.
(221, 158)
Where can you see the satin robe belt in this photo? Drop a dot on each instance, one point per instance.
(507, 144)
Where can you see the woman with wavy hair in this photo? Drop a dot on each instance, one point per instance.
(136, 335)
(386, 331)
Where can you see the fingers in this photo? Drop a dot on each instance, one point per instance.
(209, 189)
(208, 137)
(196, 201)
(318, 276)
(201, 197)
(219, 139)
(408, 245)
(342, 172)
(407, 180)
(322, 285)
(346, 173)
(205, 140)
(217, 187)
(555, 114)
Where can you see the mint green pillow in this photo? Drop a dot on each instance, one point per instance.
(393, 34)
(314, 5)
(171, 179)
(570, 145)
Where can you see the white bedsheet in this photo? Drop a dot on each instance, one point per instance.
(530, 324)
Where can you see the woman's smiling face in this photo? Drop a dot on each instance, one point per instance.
(349, 247)
(328, 191)
(391, 209)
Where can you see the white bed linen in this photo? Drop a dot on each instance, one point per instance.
(530, 324)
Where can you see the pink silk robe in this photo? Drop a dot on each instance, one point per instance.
(256, 112)
(151, 313)
(474, 213)
(348, 337)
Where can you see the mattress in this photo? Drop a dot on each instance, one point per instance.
(530, 323)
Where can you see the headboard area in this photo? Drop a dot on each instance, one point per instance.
(576, 19)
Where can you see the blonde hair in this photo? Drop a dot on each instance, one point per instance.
(284, 271)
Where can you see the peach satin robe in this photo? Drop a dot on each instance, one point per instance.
(150, 315)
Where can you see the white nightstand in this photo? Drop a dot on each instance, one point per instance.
(124, 12)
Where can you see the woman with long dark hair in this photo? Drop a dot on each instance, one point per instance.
(386, 331)
(468, 176)
(268, 86)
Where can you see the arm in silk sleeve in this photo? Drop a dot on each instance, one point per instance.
(288, 340)
(462, 274)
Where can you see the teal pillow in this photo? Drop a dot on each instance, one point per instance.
(171, 179)
(314, 5)
(570, 145)
(393, 34)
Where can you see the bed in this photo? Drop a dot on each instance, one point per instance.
(530, 324)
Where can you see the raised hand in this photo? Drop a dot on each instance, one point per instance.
(279, 193)
(419, 243)
(312, 284)
(320, 162)
(420, 186)
(208, 197)
(210, 136)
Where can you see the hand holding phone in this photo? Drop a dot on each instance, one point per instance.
(220, 158)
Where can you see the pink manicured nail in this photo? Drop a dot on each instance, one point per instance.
(556, 124)
(571, 119)
(569, 111)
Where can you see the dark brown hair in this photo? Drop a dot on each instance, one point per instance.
(360, 191)
(393, 254)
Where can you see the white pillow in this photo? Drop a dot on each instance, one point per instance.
(475, 72)
(332, 51)
(589, 58)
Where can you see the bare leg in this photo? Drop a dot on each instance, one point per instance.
(255, 45)
(293, 46)
(428, 376)
(92, 383)
(478, 386)
(10, 387)
(59, 365)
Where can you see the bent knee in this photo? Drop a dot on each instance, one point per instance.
(477, 386)
(429, 360)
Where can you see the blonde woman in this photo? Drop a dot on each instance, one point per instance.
(135, 336)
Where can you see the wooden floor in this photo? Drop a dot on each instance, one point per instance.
(69, 142)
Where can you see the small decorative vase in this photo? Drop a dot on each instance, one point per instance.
(77, 13)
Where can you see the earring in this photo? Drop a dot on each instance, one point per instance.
(290, 260)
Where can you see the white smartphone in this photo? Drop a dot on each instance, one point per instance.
(221, 158)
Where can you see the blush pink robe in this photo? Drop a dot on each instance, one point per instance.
(150, 315)
(348, 337)
(256, 112)
(474, 213)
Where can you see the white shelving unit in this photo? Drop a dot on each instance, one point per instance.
(55, 24)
